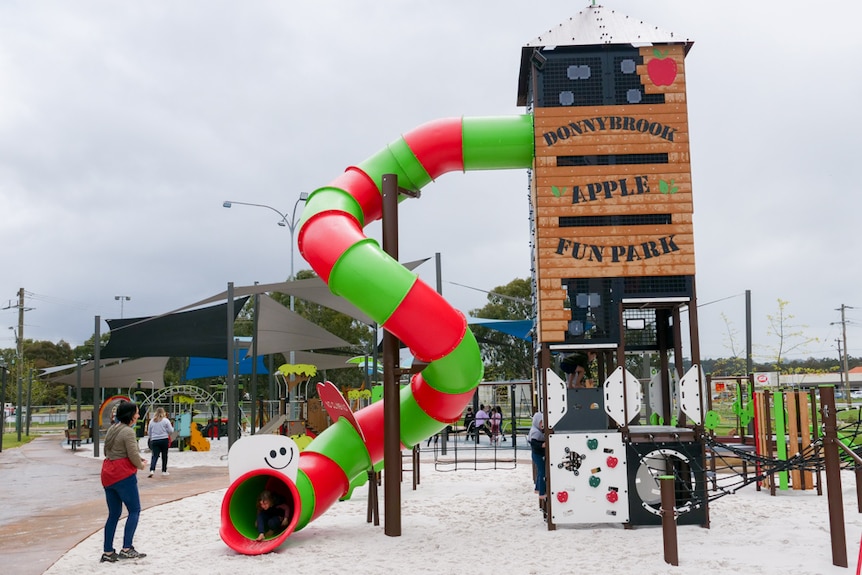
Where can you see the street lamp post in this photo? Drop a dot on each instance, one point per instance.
(122, 299)
(291, 226)
(283, 222)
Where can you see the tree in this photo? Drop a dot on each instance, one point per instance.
(730, 336)
(790, 337)
(505, 357)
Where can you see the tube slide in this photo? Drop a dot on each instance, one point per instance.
(355, 267)
(238, 512)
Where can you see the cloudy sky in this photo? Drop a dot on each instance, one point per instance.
(125, 125)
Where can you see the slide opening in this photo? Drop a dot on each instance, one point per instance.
(239, 511)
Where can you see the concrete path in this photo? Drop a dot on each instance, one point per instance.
(51, 500)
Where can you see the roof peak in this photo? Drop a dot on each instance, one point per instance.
(596, 24)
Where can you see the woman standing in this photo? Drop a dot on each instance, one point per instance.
(120, 480)
(537, 449)
(160, 440)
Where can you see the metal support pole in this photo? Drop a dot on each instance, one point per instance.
(78, 390)
(18, 410)
(230, 384)
(95, 427)
(253, 385)
(391, 405)
(3, 406)
(29, 402)
(444, 435)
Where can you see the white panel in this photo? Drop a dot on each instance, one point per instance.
(690, 394)
(555, 390)
(656, 393)
(588, 479)
(616, 399)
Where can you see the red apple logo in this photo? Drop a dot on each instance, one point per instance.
(661, 69)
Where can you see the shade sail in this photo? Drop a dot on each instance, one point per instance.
(314, 290)
(519, 328)
(120, 375)
(200, 367)
(280, 330)
(200, 333)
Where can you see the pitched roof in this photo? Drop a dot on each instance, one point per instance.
(599, 25)
(594, 26)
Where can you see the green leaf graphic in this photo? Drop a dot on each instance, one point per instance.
(557, 192)
(667, 188)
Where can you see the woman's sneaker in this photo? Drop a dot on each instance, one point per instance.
(130, 553)
(151, 474)
(109, 557)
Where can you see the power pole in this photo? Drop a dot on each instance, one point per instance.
(20, 359)
(844, 337)
(21, 326)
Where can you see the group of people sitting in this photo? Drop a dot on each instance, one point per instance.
(487, 420)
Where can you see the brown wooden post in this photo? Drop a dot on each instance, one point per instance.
(391, 370)
(815, 435)
(668, 519)
(833, 476)
(373, 507)
(544, 364)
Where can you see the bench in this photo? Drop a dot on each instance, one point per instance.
(74, 439)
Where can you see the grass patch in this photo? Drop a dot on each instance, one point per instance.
(10, 440)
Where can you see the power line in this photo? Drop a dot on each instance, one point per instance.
(718, 300)
(508, 297)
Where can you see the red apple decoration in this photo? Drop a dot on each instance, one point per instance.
(661, 69)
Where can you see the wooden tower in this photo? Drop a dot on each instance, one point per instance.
(614, 266)
(611, 187)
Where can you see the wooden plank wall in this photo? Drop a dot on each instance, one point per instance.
(613, 249)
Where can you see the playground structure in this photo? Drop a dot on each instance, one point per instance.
(619, 274)
(606, 140)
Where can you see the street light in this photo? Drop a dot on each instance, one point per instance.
(122, 299)
(283, 222)
(290, 225)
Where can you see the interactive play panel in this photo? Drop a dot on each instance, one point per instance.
(588, 481)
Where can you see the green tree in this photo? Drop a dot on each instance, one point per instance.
(505, 357)
(39, 355)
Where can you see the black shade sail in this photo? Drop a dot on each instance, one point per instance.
(200, 332)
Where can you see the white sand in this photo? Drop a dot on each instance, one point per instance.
(456, 520)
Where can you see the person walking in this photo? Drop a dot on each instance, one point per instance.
(159, 432)
(120, 480)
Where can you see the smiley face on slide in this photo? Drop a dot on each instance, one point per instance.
(279, 459)
(276, 452)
